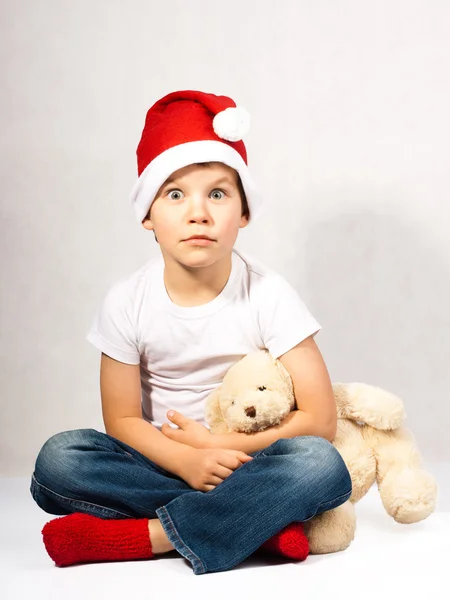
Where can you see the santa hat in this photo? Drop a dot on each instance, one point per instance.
(189, 127)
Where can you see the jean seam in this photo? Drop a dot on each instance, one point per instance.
(337, 499)
(74, 502)
(173, 535)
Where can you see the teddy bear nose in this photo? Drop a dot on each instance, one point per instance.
(250, 411)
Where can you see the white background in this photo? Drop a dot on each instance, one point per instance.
(349, 141)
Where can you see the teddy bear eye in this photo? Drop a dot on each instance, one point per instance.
(262, 388)
(232, 403)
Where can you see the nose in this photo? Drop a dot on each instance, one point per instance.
(250, 411)
(198, 211)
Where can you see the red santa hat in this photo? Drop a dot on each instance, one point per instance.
(189, 127)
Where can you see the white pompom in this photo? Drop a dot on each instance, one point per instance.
(232, 123)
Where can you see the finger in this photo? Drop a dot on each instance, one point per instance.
(166, 429)
(244, 457)
(208, 488)
(239, 458)
(222, 472)
(177, 418)
(230, 462)
(170, 432)
(215, 479)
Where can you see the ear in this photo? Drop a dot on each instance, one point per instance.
(244, 222)
(213, 414)
(147, 223)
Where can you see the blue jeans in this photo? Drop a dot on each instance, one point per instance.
(292, 480)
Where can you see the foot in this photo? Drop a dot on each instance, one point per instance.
(81, 538)
(290, 542)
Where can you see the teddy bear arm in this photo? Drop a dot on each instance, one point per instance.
(369, 404)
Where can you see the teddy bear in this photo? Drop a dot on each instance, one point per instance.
(257, 392)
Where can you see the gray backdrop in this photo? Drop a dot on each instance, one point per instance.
(350, 142)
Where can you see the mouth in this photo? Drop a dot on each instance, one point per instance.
(199, 240)
(198, 237)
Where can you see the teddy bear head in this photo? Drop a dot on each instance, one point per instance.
(256, 393)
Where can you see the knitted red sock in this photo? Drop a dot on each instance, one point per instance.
(80, 538)
(290, 541)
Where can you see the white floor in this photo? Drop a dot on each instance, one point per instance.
(386, 560)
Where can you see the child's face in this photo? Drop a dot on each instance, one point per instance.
(197, 200)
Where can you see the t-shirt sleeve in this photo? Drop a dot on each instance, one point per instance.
(113, 331)
(284, 319)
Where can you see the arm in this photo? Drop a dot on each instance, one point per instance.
(121, 407)
(316, 414)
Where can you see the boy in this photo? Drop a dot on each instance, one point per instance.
(168, 334)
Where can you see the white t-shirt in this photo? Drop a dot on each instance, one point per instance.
(184, 352)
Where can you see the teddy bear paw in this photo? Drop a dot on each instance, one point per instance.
(331, 531)
(408, 496)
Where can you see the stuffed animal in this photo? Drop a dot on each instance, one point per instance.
(257, 393)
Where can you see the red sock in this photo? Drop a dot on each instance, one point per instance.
(80, 538)
(290, 541)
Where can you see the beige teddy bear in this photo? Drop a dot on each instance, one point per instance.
(257, 393)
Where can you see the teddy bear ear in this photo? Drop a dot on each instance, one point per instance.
(213, 413)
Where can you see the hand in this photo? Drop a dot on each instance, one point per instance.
(204, 468)
(190, 432)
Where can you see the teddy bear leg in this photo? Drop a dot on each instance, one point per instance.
(408, 496)
(407, 491)
(358, 455)
(331, 531)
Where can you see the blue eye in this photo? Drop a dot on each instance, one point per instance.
(179, 192)
(218, 192)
